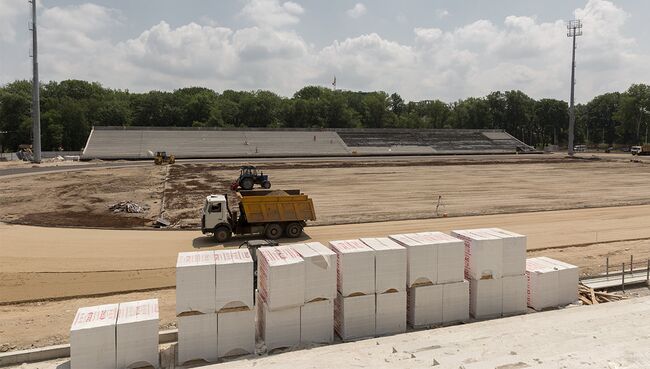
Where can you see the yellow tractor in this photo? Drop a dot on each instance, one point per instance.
(161, 158)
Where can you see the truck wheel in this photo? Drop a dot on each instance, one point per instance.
(221, 234)
(273, 231)
(266, 185)
(247, 183)
(293, 230)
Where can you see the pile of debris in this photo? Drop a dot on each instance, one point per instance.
(589, 296)
(128, 207)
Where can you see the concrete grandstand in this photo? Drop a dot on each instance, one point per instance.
(142, 142)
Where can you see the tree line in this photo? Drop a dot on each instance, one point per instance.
(70, 108)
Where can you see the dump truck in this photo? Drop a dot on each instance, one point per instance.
(643, 150)
(268, 213)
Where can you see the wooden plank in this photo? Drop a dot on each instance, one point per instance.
(585, 300)
(593, 296)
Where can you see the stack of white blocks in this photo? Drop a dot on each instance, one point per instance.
(196, 307)
(390, 286)
(214, 304)
(115, 336)
(281, 293)
(551, 283)
(317, 313)
(354, 308)
(234, 302)
(436, 290)
(495, 262)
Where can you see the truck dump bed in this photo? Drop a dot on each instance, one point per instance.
(276, 206)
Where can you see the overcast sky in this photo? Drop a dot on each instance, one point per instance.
(422, 49)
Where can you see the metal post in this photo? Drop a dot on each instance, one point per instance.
(623, 278)
(647, 273)
(607, 267)
(36, 106)
(631, 264)
(574, 29)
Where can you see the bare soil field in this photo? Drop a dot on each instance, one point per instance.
(366, 190)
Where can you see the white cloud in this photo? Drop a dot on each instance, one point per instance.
(357, 11)
(273, 13)
(520, 52)
(10, 12)
(442, 13)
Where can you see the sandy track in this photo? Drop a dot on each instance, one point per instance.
(77, 262)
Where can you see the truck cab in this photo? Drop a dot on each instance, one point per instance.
(215, 217)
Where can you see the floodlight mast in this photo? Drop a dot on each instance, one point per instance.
(574, 29)
(36, 105)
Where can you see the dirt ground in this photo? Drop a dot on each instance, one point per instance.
(343, 192)
(82, 198)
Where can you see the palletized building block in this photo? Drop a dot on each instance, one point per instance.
(424, 305)
(568, 276)
(197, 338)
(485, 298)
(236, 332)
(390, 313)
(390, 264)
(195, 282)
(514, 251)
(278, 328)
(514, 295)
(355, 272)
(354, 317)
(422, 259)
(137, 334)
(320, 270)
(280, 277)
(455, 302)
(234, 279)
(451, 257)
(92, 337)
(317, 322)
(483, 254)
(543, 284)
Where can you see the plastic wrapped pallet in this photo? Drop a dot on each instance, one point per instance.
(236, 332)
(514, 251)
(455, 302)
(450, 262)
(195, 282)
(355, 272)
(92, 337)
(483, 254)
(514, 295)
(234, 279)
(543, 284)
(278, 328)
(424, 305)
(568, 276)
(422, 259)
(390, 313)
(197, 338)
(317, 322)
(485, 298)
(280, 277)
(390, 264)
(137, 334)
(354, 317)
(320, 270)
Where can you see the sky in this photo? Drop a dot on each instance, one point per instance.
(433, 49)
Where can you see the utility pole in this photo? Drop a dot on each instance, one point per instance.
(36, 105)
(574, 29)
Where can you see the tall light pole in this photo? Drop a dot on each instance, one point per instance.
(36, 105)
(574, 29)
